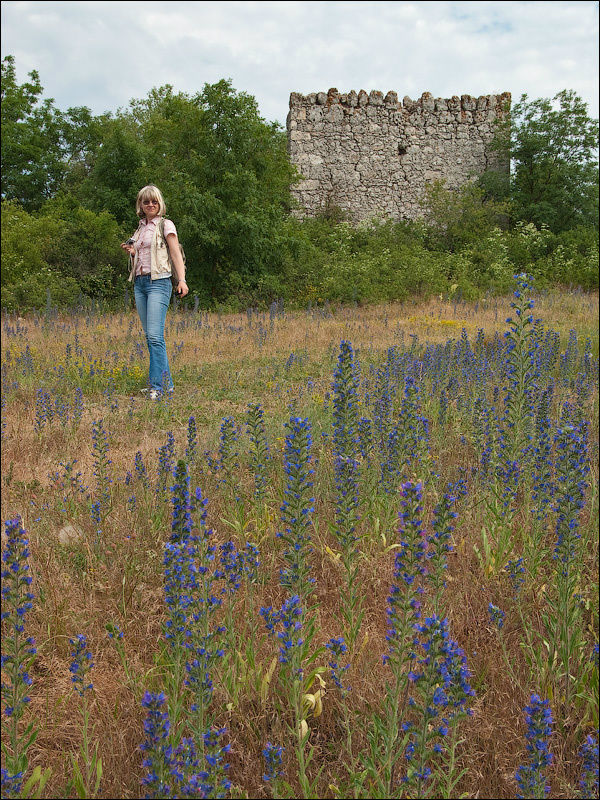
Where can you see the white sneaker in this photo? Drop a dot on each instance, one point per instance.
(145, 390)
(154, 394)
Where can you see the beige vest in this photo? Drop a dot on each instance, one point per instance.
(159, 256)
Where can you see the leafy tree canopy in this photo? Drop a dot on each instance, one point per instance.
(553, 148)
(39, 142)
(223, 170)
(69, 182)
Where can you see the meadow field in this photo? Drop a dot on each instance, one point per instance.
(355, 554)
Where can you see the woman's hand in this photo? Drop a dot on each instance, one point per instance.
(182, 289)
(129, 247)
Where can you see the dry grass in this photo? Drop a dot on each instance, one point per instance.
(225, 363)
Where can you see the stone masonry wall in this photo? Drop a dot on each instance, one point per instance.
(372, 155)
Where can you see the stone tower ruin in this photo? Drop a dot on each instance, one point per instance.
(372, 156)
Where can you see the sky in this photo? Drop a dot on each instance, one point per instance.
(103, 54)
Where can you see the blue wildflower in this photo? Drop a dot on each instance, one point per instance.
(496, 616)
(337, 648)
(297, 507)
(530, 777)
(11, 784)
(158, 754)
(273, 756)
(589, 755)
(80, 666)
(516, 573)
(17, 601)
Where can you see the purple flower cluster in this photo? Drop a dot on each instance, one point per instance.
(236, 564)
(410, 560)
(403, 610)
(273, 756)
(346, 447)
(588, 752)
(530, 777)
(80, 666)
(17, 598)
(289, 619)
(158, 757)
(496, 616)
(214, 780)
(516, 573)
(337, 648)
(439, 542)
(572, 469)
(180, 772)
(141, 471)
(441, 691)
(297, 507)
(101, 465)
(260, 455)
(182, 523)
(11, 784)
(166, 458)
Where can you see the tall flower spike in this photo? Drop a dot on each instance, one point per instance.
(297, 507)
(530, 777)
(101, 464)
(403, 603)
(232, 567)
(337, 648)
(572, 469)
(80, 666)
(259, 449)
(182, 523)
(521, 373)
(516, 573)
(441, 689)
(290, 635)
(17, 652)
(439, 541)
(589, 755)
(273, 756)
(496, 616)
(158, 758)
(346, 447)
(166, 458)
(215, 782)
(140, 470)
(181, 582)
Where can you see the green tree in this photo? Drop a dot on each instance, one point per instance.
(553, 146)
(86, 247)
(224, 173)
(460, 217)
(113, 174)
(27, 277)
(38, 140)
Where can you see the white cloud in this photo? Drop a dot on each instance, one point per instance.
(102, 54)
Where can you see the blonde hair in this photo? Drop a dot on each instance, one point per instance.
(150, 192)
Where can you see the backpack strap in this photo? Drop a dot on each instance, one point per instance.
(174, 275)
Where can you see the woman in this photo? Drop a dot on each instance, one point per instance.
(154, 252)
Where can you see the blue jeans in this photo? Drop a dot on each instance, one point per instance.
(152, 301)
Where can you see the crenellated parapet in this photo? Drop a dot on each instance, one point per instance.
(372, 154)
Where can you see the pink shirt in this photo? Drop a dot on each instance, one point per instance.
(144, 242)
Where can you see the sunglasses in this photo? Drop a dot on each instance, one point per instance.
(149, 202)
